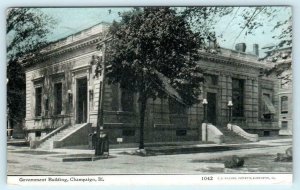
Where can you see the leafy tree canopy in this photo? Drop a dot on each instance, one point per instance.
(26, 31)
(153, 51)
(251, 20)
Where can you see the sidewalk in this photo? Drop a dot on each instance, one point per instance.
(17, 142)
(184, 149)
(259, 157)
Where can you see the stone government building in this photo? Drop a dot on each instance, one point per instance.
(62, 97)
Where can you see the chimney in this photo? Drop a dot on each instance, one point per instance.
(241, 47)
(256, 49)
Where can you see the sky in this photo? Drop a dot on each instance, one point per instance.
(72, 20)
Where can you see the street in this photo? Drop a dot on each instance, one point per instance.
(259, 157)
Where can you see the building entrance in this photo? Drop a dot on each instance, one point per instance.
(211, 107)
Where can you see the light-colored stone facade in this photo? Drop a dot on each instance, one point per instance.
(230, 64)
(282, 60)
(68, 62)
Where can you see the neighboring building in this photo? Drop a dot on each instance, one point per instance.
(281, 60)
(61, 90)
(238, 77)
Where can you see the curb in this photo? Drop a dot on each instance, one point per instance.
(88, 158)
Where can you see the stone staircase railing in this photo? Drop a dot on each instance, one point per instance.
(238, 130)
(35, 144)
(211, 133)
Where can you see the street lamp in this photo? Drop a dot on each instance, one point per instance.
(204, 102)
(230, 104)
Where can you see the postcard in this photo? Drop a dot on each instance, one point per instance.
(149, 95)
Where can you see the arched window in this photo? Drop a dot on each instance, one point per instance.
(284, 104)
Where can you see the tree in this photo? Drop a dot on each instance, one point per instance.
(204, 19)
(26, 32)
(250, 20)
(153, 52)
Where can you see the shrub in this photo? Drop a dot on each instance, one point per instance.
(287, 157)
(289, 152)
(234, 162)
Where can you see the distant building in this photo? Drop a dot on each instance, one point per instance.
(281, 59)
(61, 90)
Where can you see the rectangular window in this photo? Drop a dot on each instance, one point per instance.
(38, 101)
(58, 98)
(127, 100)
(181, 132)
(284, 124)
(284, 104)
(266, 112)
(238, 97)
(265, 108)
(115, 97)
(46, 106)
(128, 132)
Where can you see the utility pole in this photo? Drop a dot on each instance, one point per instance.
(100, 116)
(101, 94)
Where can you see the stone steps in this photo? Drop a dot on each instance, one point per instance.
(48, 144)
(232, 138)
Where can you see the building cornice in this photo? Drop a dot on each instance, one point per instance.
(232, 60)
(91, 40)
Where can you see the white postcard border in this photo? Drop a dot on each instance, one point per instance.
(162, 180)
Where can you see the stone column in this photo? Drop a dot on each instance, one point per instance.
(225, 83)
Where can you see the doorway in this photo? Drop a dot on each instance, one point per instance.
(211, 107)
(81, 100)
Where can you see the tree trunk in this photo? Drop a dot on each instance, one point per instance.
(143, 102)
